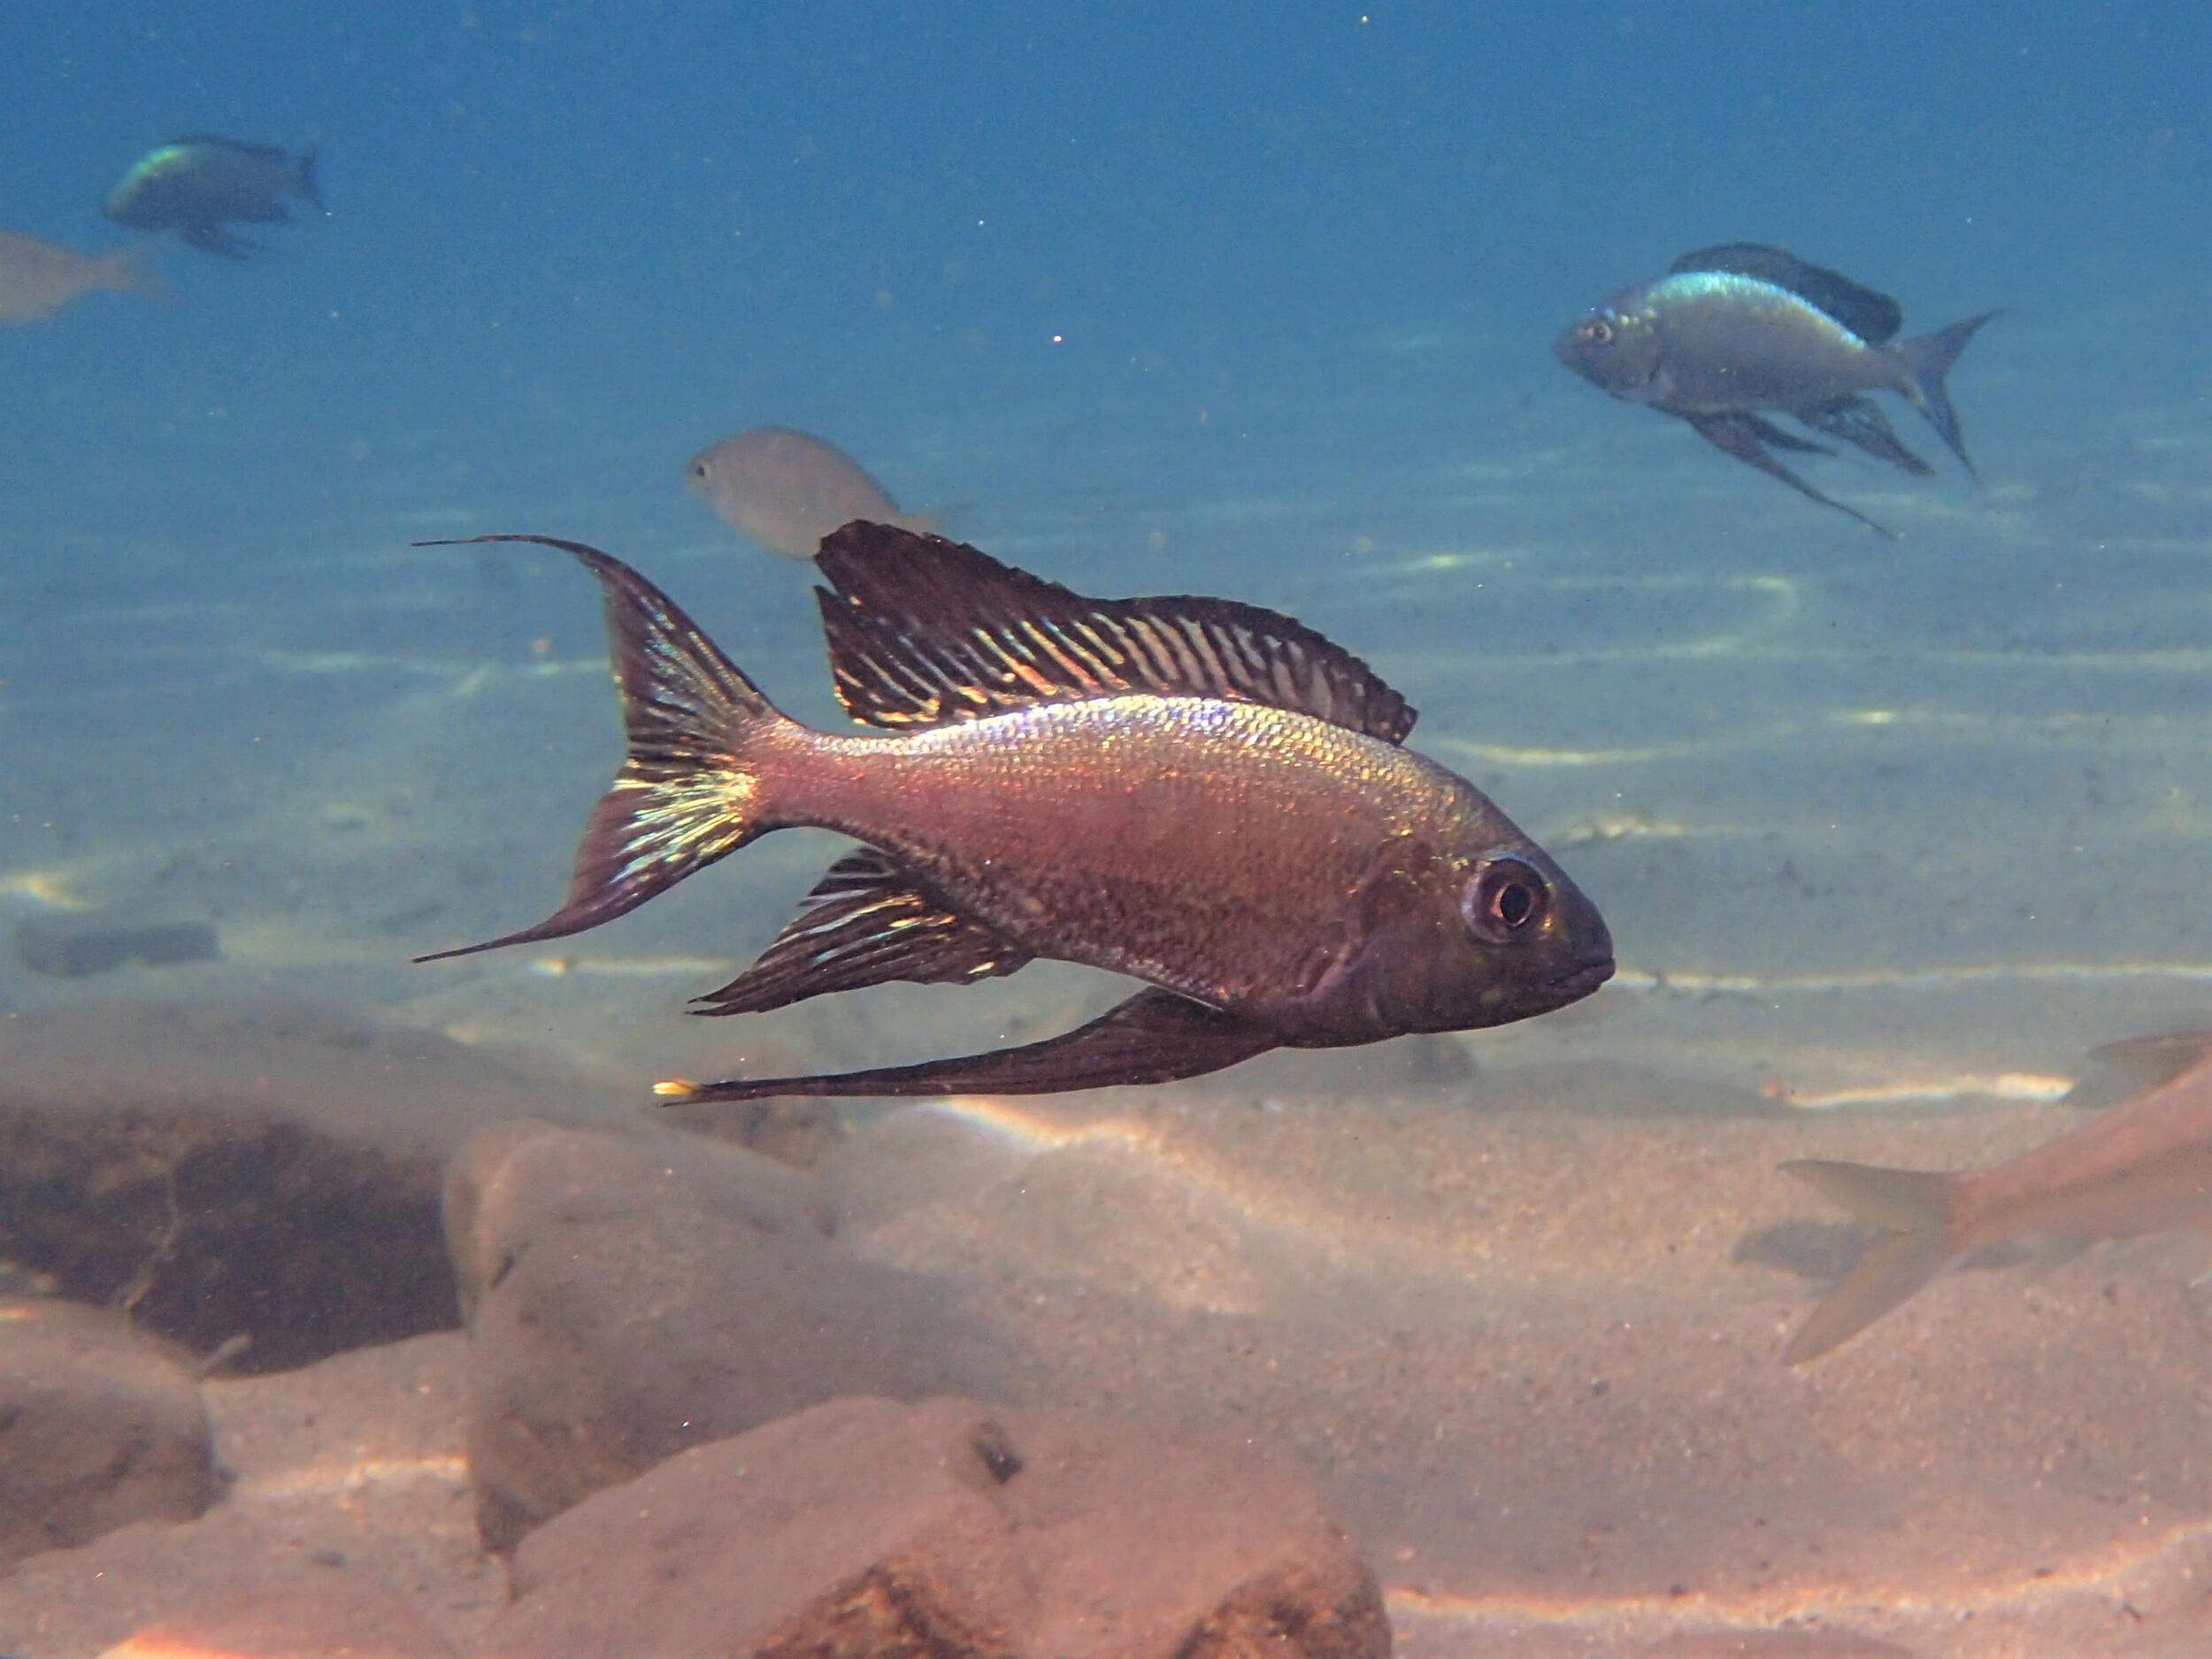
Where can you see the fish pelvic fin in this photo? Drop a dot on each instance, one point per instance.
(1157, 1036)
(690, 788)
(1745, 436)
(1916, 1213)
(1927, 359)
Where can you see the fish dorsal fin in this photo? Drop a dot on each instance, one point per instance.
(2136, 1065)
(1875, 318)
(926, 632)
(867, 922)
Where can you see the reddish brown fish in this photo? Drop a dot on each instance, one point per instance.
(1201, 794)
(789, 489)
(38, 278)
(2141, 1166)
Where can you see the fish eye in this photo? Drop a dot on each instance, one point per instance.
(1506, 898)
(1597, 331)
(698, 469)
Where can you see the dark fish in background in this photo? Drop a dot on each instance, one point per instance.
(38, 278)
(2141, 1166)
(789, 489)
(1739, 328)
(196, 185)
(1201, 794)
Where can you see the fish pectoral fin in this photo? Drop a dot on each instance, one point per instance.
(1157, 1036)
(866, 922)
(1739, 434)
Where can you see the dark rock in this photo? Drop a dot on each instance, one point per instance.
(270, 1170)
(99, 1426)
(345, 1489)
(635, 1294)
(863, 1528)
(323, 1613)
(74, 945)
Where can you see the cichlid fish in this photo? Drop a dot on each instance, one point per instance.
(1201, 794)
(1742, 328)
(789, 489)
(196, 185)
(38, 278)
(2141, 1166)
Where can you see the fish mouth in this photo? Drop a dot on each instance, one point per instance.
(1579, 981)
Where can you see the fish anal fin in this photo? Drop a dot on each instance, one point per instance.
(1157, 1036)
(1915, 1211)
(926, 632)
(1739, 435)
(866, 922)
(1859, 420)
(1767, 432)
(1874, 317)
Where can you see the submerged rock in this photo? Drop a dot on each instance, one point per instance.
(634, 1294)
(864, 1528)
(313, 1614)
(99, 1426)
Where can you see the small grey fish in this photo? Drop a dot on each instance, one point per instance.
(2141, 1166)
(198, 184)
(1739, 328)
(787, 489)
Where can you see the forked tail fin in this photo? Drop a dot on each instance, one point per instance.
(689, 790)
(1928, 358)
(1914, 1210)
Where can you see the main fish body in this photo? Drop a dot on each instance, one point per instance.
(1720, 342)
(1203, 796)
(1737, 331)
(2141, 1166)
(197, 185)
(1202, 845)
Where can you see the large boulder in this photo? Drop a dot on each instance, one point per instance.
(100, 1425)
(864, 1528)
(632, 1294)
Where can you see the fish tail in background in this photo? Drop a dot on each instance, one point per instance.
(690, 790)
(1915, 1211)
(304, 184)
(1927, 359)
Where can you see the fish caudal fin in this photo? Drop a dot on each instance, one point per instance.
(1914, 1210)
(689, 790)
(1927, 359)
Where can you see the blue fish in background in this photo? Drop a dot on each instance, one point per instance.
(1741, 328)
(196, 185)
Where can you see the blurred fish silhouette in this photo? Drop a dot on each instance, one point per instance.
(2140, 1166)
(789, 489)
(1201, 794)
(38, 278)
(198, 184)
(1741, 328)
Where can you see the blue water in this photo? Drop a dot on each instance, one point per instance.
(1153, 298)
